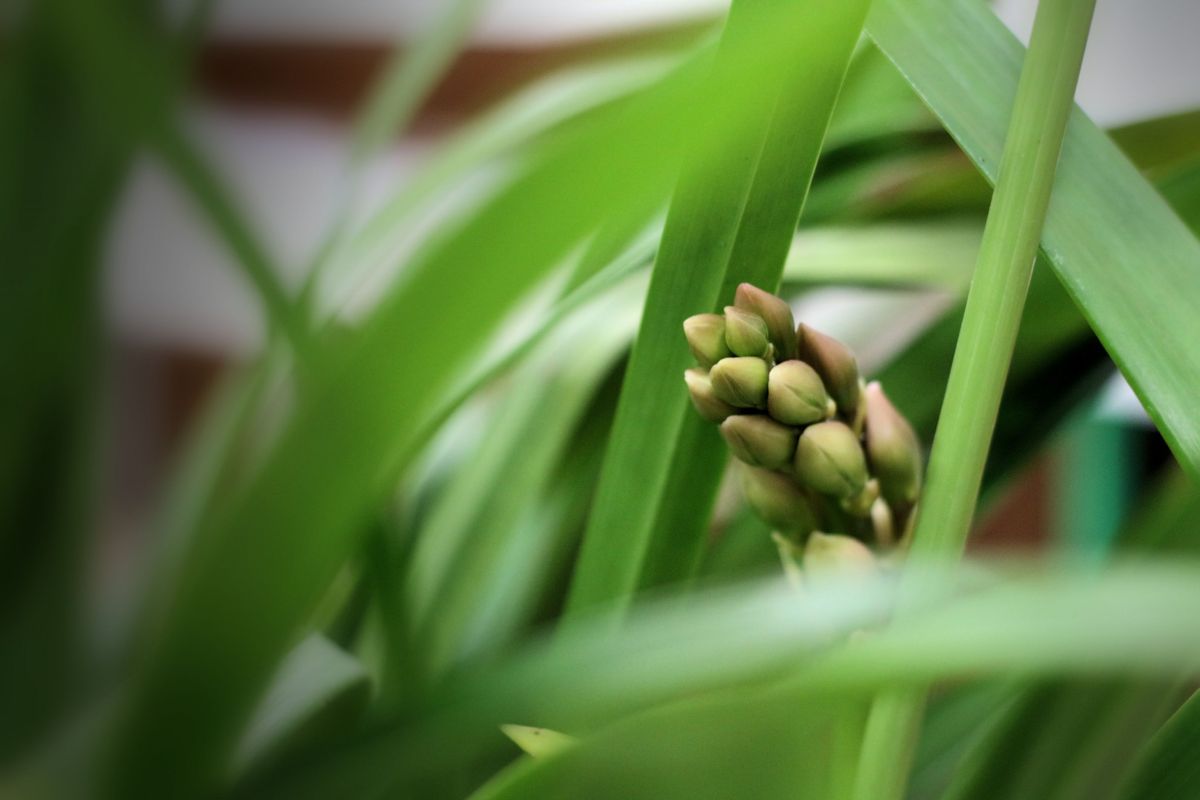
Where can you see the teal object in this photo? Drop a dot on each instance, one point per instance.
(1097, 471)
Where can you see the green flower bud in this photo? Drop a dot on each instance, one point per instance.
(892, 449)
(759, 440)
(795, 394)
(711, 407)
(832, 555)
(836, 365)
(777, 314)
(830, 460)
(778, 500)
(740, 381)
(746, 333)
(706, 338)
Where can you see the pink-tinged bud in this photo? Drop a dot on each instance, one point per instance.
(777, 500)
(706, 338)
(777, 314)
(759, 441)
(746, 333)
(796, 396)
(740, 381)
(836, 365)
(700, 389)
(892, 449)
(830, 460)
(834, 555)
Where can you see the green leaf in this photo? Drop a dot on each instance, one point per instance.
(1061, 739)
(1170, 765)
(498, 137)
(133, 78)
(731, 219)
(319, 693)
(397, 93)
(537, 742)
(1124, 257)
(953, 723)
(876, 103)
(938, 253)
(406, 80)
(1161, 143)
(511, 350)
(712, 747)
(1181, 188)
(480, 549)
(1029, 622)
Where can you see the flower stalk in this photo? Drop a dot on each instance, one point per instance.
(985, 347)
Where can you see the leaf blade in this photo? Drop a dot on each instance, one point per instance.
(1122, 254)
(697, 265)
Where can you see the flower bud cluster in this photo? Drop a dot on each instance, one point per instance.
(821, 452)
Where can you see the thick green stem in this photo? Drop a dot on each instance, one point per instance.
(985, 344)
(1002, 273)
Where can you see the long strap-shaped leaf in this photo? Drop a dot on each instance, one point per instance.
(1035, 625)
(723, 215)
(1126, 259)
(1170, 766)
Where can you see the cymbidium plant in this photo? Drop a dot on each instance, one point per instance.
(825, 458)
(405, 526)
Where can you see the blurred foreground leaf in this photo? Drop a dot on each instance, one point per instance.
(1132, 619)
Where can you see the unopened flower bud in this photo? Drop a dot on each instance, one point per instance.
(759, 441)
(830, 460)
(706, 338)
(795, 394)
(778, 500)
(740, 381)
(711, 407)
(835, 555)
(836, 365)
(777, 314)
(892, 449)
(746, 333)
